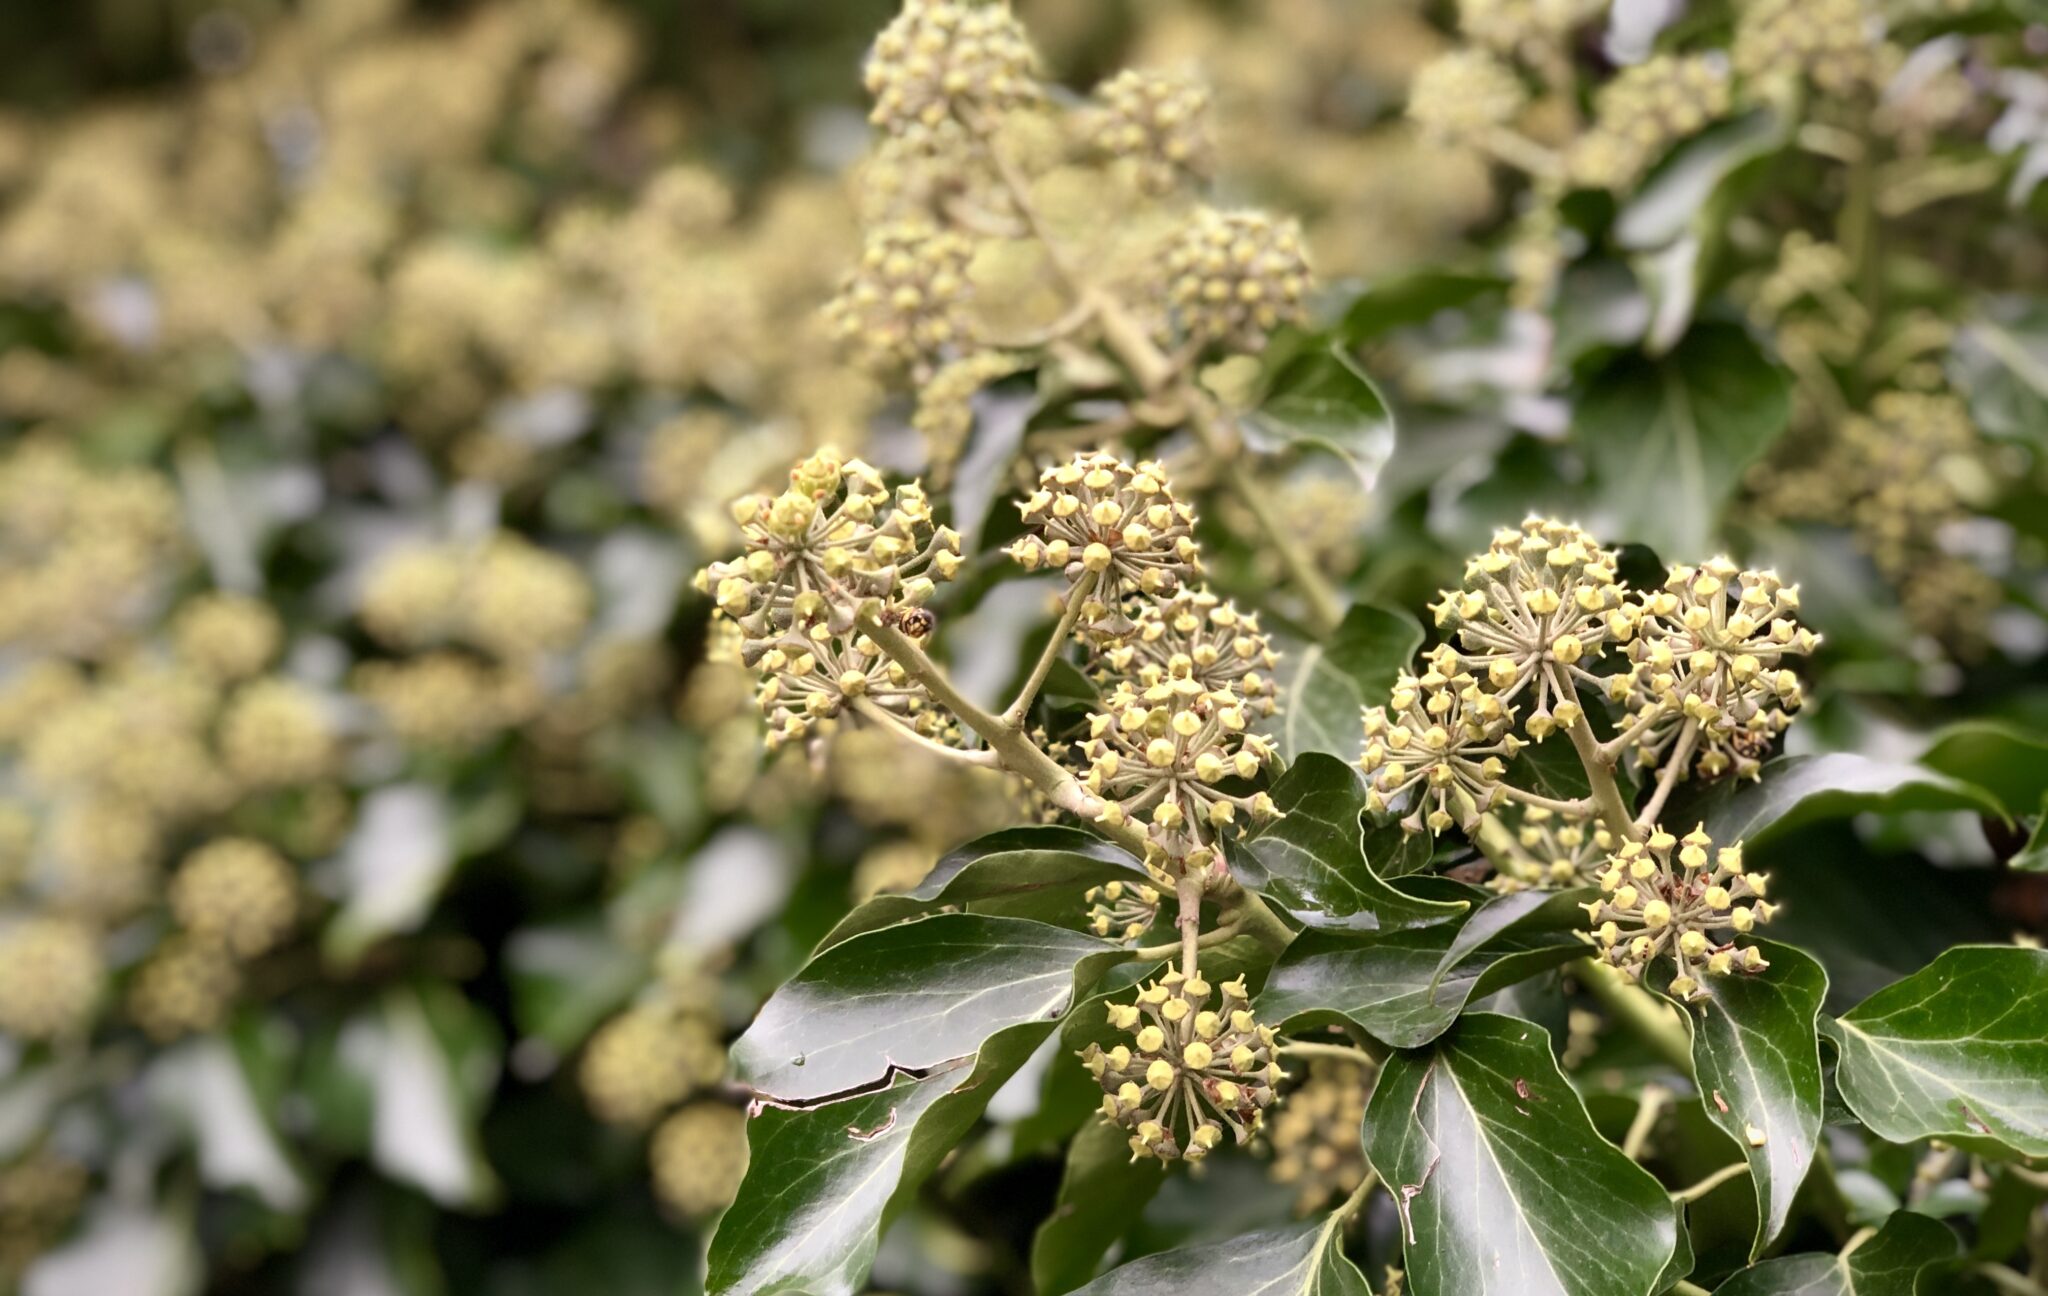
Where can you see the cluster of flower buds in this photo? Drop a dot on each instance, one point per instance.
(1519, 26)
(1464, 95)
(1122, 911)
(1158, 754)
(941, 60)
(1316, 1134)
(698, 1156)
(1234, 277)
(1443, 734)
(903, 307)
(836, 545)
(1708, 656)
(1643, 111)
(51, 975)
(1115, 526)
(1196, 635)
(1190, 1072)
(1157, 119)
(1557, 850)
(1537, 608)
(1683, 896)
(1832, 42)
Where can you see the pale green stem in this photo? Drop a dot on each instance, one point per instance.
(1010, 743)
(1076, 597)
(1648, 1019)
(1648, 1108)
(1325, 607)
(1711, 1182)
(1674, 770)
(1338, 1052)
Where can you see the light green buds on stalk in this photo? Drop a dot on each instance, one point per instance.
(1158, 120)
(1709, 650)
(1643, 111)
(1234, 277)
(1115, 525)
(838, 543)
(940, 59)
(903, 307)
(1463, 95)
(1441, 734)
(1680, 897)
(1157, 755)
(1122, 911)
(1535, 612)
(1196, 635)
(1557, 850)
(1191, 1074)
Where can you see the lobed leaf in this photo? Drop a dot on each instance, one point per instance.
(1315, 861)
(1298, 1260)
(1793, 791)
(1503, 1185)
(1756, 1054)
(1957, 1051)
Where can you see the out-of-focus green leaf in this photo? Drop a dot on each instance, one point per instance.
(1503, 1186)
(1101, 1191)
(1313, 860)
(2000, 361)
(1298, 1260)
(1039, 871)
(394, 864)
(567, 976)
(1672, 436)
(1890, 1263)
(1957, 1051)
(202, 1084)
(1756, 1053)
(1318, 398)
(1406, 987)
(2010, 764)
(1413, 299)
(1324, 686)
(911, 996)
(1669, 203)
(1794, 791)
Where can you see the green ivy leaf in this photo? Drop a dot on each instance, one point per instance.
(1038, 872)
(2007, 763)
(1406, 987)
(1756, 1052)
(909, 997)
(1298, 1260)
(1957, 1051)
(1889, 1263)
(809, 1213)
(1669, 203)
(1316, 862)
(1503, 1185)
(1794, 791)
(1672, 436)
(1316, 396)
(1101, 1193)
(1323, 686)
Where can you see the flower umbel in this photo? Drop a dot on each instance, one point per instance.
(1709, 650)
(1190, 1073)
(1537, 608)
(1444, 733)
(1114, 525)
(1681, 896)
(1122, 911)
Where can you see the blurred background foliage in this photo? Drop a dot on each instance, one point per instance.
(387, 857)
